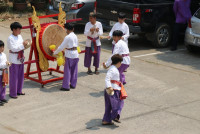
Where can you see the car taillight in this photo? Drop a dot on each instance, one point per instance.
(189, 24)
(95, 6)
(77, 6)
(136, 15)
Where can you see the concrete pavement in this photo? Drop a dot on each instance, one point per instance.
(163, 97)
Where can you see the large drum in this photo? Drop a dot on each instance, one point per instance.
(51, 34)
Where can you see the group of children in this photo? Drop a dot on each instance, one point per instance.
(118, 62)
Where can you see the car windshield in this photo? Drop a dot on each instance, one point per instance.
(197, 14)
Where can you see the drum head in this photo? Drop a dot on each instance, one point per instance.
(51, 34)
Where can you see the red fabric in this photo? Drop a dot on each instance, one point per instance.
(5, 77)
(123, 91)
(94, 42)
(20, 55)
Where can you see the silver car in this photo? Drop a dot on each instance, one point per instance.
(74, 9)
(192, 34)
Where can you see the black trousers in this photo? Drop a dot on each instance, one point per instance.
(178, 28)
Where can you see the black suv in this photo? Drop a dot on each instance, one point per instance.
(151, 18)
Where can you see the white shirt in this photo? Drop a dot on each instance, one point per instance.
(3, 61)
(87, 32)
(112, 74)
(120, 48)
(15, 44)
(70, 41)
(122, 27)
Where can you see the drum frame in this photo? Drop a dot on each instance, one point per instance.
(33, 49)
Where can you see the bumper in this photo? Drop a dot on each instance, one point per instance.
(135, 29)
(192, 38)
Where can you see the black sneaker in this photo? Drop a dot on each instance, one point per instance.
(13, 97)
(1, 103)
(72, 87)
(4, 101)
(89, 73)
(64, 89)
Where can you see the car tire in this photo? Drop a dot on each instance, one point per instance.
(162, 36)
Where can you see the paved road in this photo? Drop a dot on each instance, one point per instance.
(163, 89)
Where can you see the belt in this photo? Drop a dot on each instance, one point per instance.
(20, 56)
(116, 82)
(90, 38)
(123, 94)
(93, 44)
(13, 52)
(124, 55)
(73, 48)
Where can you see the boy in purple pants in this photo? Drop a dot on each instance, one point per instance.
(122, 49)
(70, 45)
(16, 46)
(93, 30)
(113, 103)
(3, 65)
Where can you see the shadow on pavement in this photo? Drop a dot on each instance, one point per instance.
(181, 57)
(82, 74)
(95, 124)
(97, 94)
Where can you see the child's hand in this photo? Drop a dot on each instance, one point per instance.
(104, 66)
(108, 37)
(8, 63)
(55, 55)
(25, 43)
(110, 88)
(97, 29)
(92, 30)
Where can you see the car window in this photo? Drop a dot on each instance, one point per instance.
(197, 14)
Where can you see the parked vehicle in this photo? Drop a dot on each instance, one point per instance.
(151, 18)
(192, 34)
(74, 9)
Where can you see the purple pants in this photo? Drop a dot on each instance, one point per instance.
(113, 106)
(121, 69)
(88, 57)
(2, 89)
(16, 79)
(70, 72)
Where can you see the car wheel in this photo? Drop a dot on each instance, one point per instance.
(162, 36)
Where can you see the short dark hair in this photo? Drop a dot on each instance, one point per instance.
(118, 33)
(121, 15)
(15, 25)
(116, 59)
(1, 43)
(69, 26)
(92, 14)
